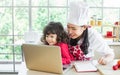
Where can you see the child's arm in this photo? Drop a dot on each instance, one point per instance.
(66, 59)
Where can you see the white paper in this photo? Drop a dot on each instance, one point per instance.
(84, 66)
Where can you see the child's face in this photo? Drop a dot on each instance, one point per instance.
(51, 39)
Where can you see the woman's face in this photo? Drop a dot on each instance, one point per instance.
(75, 31)
(51, 39)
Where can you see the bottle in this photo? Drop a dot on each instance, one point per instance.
(99, 22)
(92, 21)
(119, 21)
(95, 19)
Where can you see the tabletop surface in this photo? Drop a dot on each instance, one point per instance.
(102, 70)
(25, 71)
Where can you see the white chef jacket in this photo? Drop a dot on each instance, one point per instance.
(97, 42)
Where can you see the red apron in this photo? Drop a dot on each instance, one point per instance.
(78, 53)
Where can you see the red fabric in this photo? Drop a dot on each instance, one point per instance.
(77, 53)
(66, 56)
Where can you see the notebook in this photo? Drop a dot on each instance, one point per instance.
(85, 66)
(44, 58)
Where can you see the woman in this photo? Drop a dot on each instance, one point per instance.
(83, 39)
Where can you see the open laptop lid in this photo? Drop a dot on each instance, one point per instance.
(43, 58)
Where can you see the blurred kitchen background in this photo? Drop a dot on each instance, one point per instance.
(22, 21)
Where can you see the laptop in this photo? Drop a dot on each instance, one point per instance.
(44, 58)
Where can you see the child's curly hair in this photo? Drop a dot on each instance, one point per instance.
(55, 28)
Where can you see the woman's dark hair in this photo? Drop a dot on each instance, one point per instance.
(85, 44)
(55, 28)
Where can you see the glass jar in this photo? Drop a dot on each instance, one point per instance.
(92, 21)
(99, 22)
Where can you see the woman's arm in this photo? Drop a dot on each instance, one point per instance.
(105, 59)
(98, 43)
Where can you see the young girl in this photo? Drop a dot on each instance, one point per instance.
(54, 34)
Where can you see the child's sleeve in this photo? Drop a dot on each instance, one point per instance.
(66, 59)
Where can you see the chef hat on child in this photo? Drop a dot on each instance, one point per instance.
(78, 13)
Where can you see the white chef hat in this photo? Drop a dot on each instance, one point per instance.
(78, 14)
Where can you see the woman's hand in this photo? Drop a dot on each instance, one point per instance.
(105, 59)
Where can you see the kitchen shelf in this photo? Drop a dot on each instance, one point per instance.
(109, 37)
(115, 32)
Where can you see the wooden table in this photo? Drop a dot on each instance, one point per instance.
(102, 70)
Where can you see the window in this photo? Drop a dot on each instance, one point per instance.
(111, 3)
(19, 16)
